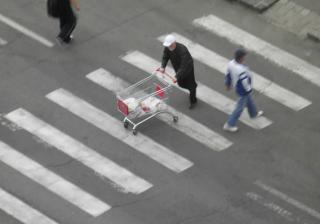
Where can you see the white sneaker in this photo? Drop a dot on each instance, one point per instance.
(227, 127)
(259, 114)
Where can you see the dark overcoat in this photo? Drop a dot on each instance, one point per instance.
(182, 63)
(65, 9)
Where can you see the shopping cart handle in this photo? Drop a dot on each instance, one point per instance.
(174, 80)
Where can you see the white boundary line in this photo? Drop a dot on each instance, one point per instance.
(25, 31)
(274, 207)
(289, 200)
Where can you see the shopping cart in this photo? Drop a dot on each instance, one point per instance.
(145, 99)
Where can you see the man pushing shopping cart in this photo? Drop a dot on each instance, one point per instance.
(145, 99)
(182, 63)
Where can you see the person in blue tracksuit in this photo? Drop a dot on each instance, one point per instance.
(239, 78)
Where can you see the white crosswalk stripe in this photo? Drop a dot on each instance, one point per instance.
(204, 93)
(51, 181)
(127, 181)
(263, 85)
(25, 31)
(186, 124)
(21, 211)
(268, 51)
(3, 42)
(115, 128)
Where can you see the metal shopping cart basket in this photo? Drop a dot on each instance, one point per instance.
(145, 99)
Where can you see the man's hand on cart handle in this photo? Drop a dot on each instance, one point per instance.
(163, 71)
(174, 80)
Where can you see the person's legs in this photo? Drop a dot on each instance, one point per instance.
(72, 26)
(193, 97)
(233, 118)
(63, 21)
(252, 109)
(67, 25)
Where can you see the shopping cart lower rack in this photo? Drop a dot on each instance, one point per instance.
(145, 100)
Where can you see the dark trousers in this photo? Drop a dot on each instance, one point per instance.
(67, 24)
(193, 95)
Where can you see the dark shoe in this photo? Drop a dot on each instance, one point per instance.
(193, 105)
(68, 41)
(60, 41)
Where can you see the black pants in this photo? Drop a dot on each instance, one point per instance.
(193, 95)
(68, 22)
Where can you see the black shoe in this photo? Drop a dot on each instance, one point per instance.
(60, 41)
(193, 105)
(69, 40)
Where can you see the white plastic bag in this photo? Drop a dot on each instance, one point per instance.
(151, 104)
(132, 104)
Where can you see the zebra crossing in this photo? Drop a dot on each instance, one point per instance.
(89, 157)
(261, 84)
(186, 124)
(114, 127)
(270, 52)
(21, 211)
(51, 181)
(125, 180)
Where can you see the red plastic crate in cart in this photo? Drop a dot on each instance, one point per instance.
(123, 107)
(145, 99)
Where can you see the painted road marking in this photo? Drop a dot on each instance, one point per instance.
(115, 128)
(268, 51)
(127, 181)
(25, 31)
(206, 94)
(275, 208)
(186, 124)
(21, 211)
(261, 84)
(289, 200)
(51, 181)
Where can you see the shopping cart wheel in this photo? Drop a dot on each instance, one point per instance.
(126, 124)
(134, 132)
(175, 119)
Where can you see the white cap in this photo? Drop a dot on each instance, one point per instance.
(170, 39)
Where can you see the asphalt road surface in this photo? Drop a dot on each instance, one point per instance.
(65, 157)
